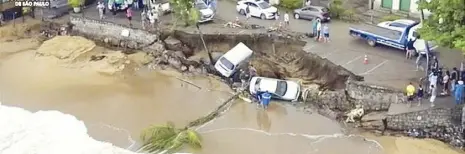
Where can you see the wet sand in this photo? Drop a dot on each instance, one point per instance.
(117, 106)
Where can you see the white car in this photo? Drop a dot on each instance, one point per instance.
(280, 89)
(206, 14)
(398, 25)
(257, 8)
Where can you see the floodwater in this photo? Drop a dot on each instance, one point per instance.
(116, 101)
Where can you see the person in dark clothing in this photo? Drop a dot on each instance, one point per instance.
(244, 78)
(453, 78)
(420, 94)
(440, 76)
(410, 48)
(435, 64)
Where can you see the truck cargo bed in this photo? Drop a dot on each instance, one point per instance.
(380, 31)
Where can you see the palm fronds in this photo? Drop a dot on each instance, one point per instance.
(169, 139)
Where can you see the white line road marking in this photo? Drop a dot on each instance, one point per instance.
(372, 69)
(357, 58)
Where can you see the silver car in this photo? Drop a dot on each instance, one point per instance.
(312, 12)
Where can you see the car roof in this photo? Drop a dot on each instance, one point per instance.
(268, 84)
(404, 21)
(238, 53)
(254, 1)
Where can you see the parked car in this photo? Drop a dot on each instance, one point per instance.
(258, 8)
(280, 89)
(229, 62)
(206, 14)
(399, 25)
(312, 12)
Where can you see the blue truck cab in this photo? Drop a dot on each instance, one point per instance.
(376, 35)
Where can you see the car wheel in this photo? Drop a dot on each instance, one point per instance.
(319, 19)
(371, 42)
(262, 16)
(242, 12)
(296, 16)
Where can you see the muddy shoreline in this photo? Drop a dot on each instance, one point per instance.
(180, 50)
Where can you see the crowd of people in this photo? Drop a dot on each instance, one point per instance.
(441, 83)
(149, 17)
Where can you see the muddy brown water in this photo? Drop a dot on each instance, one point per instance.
(117, 107)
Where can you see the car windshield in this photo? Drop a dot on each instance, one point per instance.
(227, 63)
(281, 88)
(201, 6)
(264, 5)
(324, 10)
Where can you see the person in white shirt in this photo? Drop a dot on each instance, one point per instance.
(318, 30)
(101, 8)
(308, 3)
(286, 19)
(152, 19)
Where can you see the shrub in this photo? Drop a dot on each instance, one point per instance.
(349, 15)
(291, 4)
(390, 18)
(74, 3)
(335, 9)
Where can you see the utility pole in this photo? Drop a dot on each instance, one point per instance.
(204, 44)
(426, 45)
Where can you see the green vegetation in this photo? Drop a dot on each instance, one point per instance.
(74, 3)
(446, 24)
(337, 11)
(169, 138)
(291, 4)
(185, 11)
(390, 18)
(160, 138)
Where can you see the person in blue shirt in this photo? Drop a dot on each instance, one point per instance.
(410, 48)
(458, 93)
(265, 99)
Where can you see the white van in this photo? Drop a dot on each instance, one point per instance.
(228, 63)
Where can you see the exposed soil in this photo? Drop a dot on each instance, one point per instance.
(277, 57)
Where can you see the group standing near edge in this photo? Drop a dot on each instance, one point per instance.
(441, 83)
(148, 16)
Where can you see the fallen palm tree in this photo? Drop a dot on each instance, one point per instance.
(169, 139)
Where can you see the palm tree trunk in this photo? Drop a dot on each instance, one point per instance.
(204, 44)
(215, 113)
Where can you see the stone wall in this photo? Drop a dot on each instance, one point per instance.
(430, 118)
(374, 97)
(111, 33)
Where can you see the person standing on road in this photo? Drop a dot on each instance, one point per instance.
(458, 93)
(420, 94)
(308, 3)
(453, 78)
(152, 20)
(326, 33)
(433, 92)
(286, 19)
(433, 79)
(435, 65)
(247, 13)
(410, 89)
(418, 63)
(129, 16)
(410, 48)
(445, 81)
(318, 30)
(101, 8)
(143, 19)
